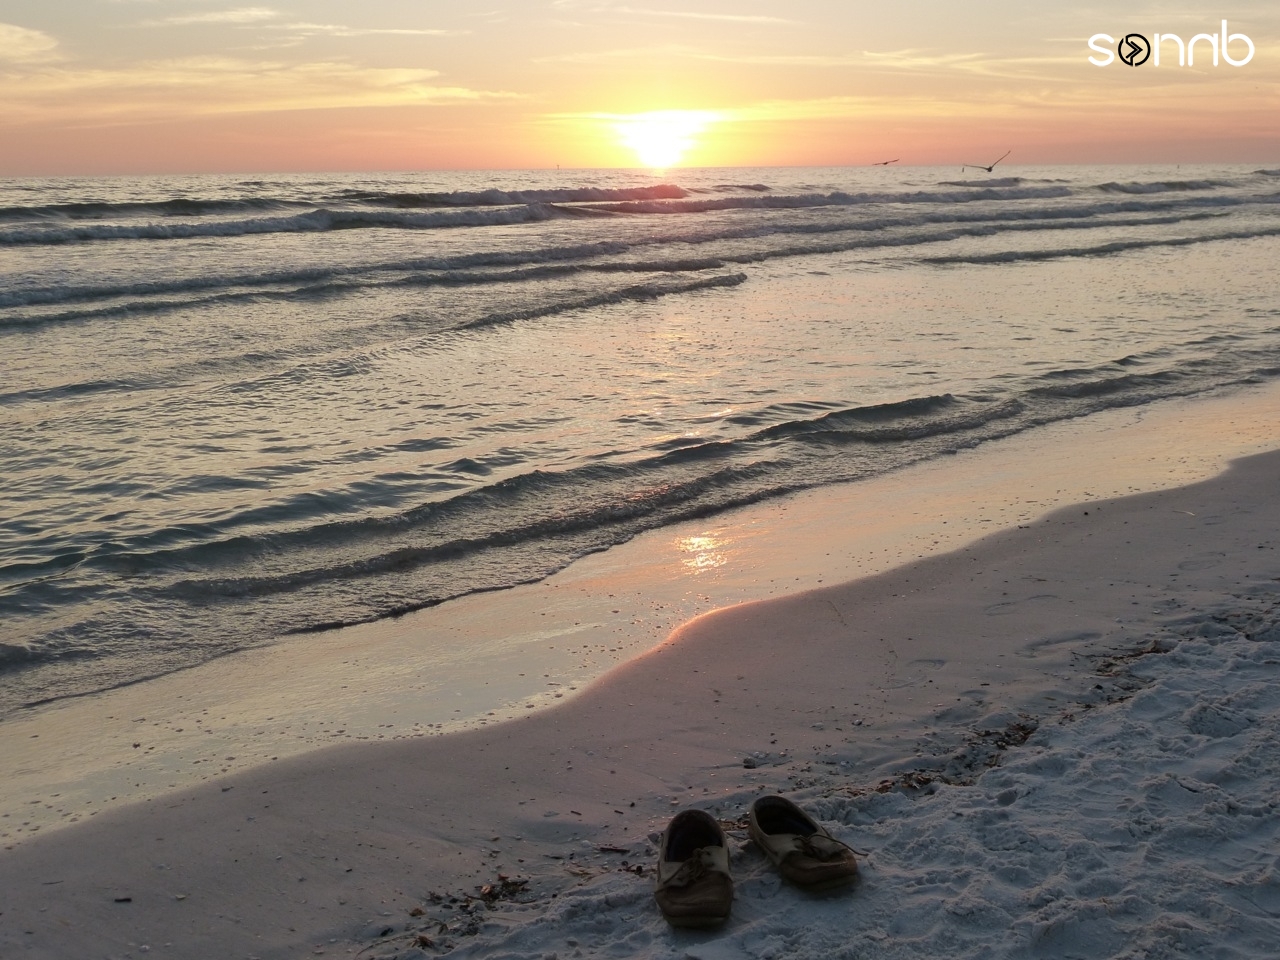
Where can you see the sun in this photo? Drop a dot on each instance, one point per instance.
(661, 138)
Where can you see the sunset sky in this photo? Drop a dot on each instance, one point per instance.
(154, 86)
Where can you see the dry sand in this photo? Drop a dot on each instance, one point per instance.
(950, 714)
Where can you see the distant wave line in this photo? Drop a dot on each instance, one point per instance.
(1102, 249)
(325, 220)
(446, 270)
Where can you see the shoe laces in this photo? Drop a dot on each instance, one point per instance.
(809, 847)
(694, 869)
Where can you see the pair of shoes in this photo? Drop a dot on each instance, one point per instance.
(802, 850)
(693, 886)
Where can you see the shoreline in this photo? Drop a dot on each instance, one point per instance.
(825, 695)
(496, 657)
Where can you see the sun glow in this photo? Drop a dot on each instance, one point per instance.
(705, 552)
(661, 138)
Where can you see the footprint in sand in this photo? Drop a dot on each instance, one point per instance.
(918, 669)
(1011, 606)
(1202, 562)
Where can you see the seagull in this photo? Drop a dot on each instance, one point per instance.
(982, 166)
(884, 163)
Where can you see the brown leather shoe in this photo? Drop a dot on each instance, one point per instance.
(804, 852)
(693, 886)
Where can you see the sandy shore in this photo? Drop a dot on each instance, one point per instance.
(882, 702)
(495, 656)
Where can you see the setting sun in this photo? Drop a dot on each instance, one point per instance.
(661, 138)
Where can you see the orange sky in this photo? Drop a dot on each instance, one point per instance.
(152, 86)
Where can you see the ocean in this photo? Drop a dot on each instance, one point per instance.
(234, 409)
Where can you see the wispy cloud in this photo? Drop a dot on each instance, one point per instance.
(240, 15)
(839, 107)
(266, 18)
(623, 53)
(919, 59)
(196, 86)
(20, 44)
(691, 15)
(771, 111)
(337, 30)
(898, 60)
(787, 59)
(596, 6)
(921, 63)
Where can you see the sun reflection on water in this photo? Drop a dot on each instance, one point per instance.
(704, 552)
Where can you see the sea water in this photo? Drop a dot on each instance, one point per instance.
(234, 409)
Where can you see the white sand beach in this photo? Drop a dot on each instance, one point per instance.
(1059, 739)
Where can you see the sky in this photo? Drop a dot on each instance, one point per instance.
(190, 86)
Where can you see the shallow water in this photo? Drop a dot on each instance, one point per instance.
(235, 409)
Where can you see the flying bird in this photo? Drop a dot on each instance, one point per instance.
(983, 166)
(884, 163)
